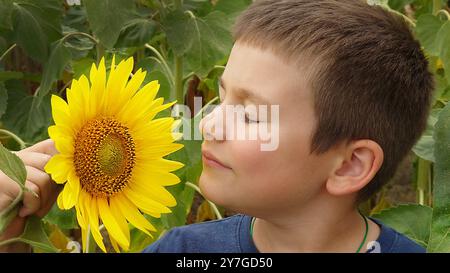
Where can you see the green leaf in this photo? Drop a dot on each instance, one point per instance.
(9, 75)
(60, 56)
(6, 9)
(232, 8)
(7, 216)
(35, 235)
(442, 43)
(424, 148)
(26, 117)
(82, 67)
(427, 28)
(12, 166)
(29, 34)
(180, 31)
(106, 18)
(36, 26)
(399, 4)
(64, 219)
(136, 32)
(3, 99)
(212, 42)
(412, 220)
(440, 229)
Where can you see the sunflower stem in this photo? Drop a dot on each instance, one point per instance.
(21, 143)
(80, 34)
(162, 61)
(213, 206)
(100, 52)
(7, 51)
(179, 80)
(437, 4)
(178, 4)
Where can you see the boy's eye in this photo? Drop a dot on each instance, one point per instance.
(248, 120)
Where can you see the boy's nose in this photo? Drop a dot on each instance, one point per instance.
(212, 126)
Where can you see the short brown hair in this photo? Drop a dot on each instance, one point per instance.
(370, 79)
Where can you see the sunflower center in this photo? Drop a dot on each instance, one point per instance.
(104, 156)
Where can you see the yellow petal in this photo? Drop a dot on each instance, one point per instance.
(114, 244)
(152, 190)
(157, 177)
(60, 111)
(68, 197)
(80, 218)
(93, 221)
(114, 223)
(145, 203)
(157, 151)
(74, 184)
(139, 104)
(58, 166)
(131, 213)
(160, 165)
(60, 201)
(64, 146)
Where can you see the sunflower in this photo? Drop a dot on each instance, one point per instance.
(111, 151)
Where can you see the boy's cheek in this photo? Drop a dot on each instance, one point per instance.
(248, 157)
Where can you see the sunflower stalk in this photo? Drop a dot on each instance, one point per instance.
(19, 141)
(7, 51)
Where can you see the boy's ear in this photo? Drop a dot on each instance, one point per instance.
(362, 160)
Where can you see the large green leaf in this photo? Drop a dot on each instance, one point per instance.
(81, 67)
(212, 42)
(399, 4)
(107, 17)
(412, 220)
(204, 41)
(442, 43)
(424, 148)
(13, 167)
(64, 219)
(9, 75)
(29, 34)
(3, 99)
(232, 8)
(180, 30)
(136, 32)
(35, 235)
(6, 8)
(26, 117)
(60, 56)
(440, 229)
(427, 28)
(36, 26)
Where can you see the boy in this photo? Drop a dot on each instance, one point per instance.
(353, 91)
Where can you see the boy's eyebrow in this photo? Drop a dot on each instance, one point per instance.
(245, 93)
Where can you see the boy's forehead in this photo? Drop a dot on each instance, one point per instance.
(263, 72)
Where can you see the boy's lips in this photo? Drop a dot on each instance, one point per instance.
(211, 160)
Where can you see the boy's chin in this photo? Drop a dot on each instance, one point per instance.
(214, 192)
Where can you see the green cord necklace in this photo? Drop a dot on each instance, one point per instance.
(360, 246)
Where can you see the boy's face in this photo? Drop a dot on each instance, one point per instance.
(260, 182)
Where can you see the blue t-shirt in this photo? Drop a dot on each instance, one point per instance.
(232, 235)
